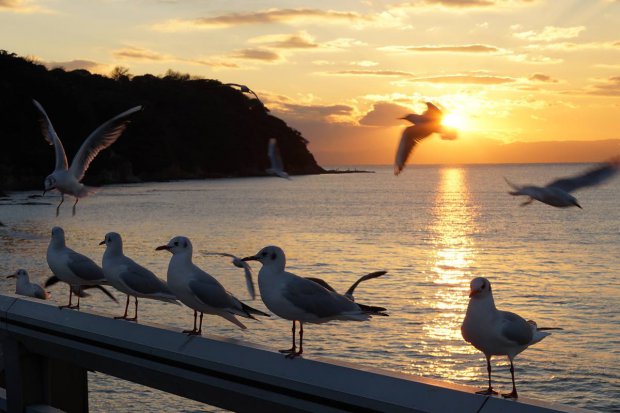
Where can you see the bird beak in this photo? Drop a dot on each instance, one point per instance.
(473, 292)
(162, 247)
(11, 276)
(577, 205)
(102, 242)
(250, 258)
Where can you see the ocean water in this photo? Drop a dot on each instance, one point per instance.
(434, 228)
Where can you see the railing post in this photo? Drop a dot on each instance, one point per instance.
(35, 379)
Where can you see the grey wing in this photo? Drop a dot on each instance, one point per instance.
(213, 294)
(143, 281)
(249, 281)
(592, 177)
(362, 279)
(515, 328)
(84, 267)
(52, 138)
(312, 298)
(321, 282)
(274, 155)
(410, 137)
(102, 137)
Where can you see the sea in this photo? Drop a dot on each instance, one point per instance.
(433, 228)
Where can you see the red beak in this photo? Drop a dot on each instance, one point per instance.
(162, 247)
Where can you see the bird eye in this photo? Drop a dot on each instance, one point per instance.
(273, 256)
(176, 243)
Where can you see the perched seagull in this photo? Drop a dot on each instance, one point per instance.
(80, 290)
(557, 193)
(298, 299)
(73, 268)
(424, 125)
(25, 287)
(495, 332)
(349, 293)
(130, 278)
(277, 167)
(199, 290)
(67, 179)
(239, 263)
(244, 89)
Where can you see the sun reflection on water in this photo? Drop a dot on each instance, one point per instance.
(451, 271)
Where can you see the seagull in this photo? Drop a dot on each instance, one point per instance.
(495, 332)
(199, 290)
(277, 167)
(239, 263)
(298, 299)
(349, 293)
(25, 287)
(557, 193)
(245, 89)
(67, 179)
(424, 125)
(130, 278)
(71, 267)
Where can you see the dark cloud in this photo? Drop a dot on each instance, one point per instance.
(470, 48)
(135, 53)
(256, 54)
(295, 41)
(609, 88)
(539, 77)
(371, 73)
(274, 15)
(76, 64)
(384, 114)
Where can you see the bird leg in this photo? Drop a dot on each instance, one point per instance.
(200, 325)
(195, 331)
(135, 316)
(62, 199)
(70, 306)
(513, 394)
(301, 343)
(490, 390)
(76, 201)
(294, 347)
(124, 316)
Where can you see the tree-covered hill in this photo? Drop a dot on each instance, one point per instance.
(189, 128)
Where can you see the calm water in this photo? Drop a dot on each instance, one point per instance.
(432, 228)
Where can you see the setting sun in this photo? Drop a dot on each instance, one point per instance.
(455, 120)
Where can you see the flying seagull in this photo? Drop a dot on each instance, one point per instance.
(200, 291)
(23, 286)
(295, 298)
(557, 193)
(495, 332)
(277, 167)
(424, 125)
(239, 263)
(66, 179)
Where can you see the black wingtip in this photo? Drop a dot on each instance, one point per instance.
(106, 292)
(51, 281)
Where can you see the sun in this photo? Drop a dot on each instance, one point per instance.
(455, 120)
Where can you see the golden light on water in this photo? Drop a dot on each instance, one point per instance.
(451, 269)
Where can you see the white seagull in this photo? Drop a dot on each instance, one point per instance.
(23, 286)
(349, 292)
(277, 167)
(67, 179)
(557, 193)
(495, 332)
(239, 263)
(130, 278)
(199, 290)
(424, 125)
(71, 267)
(295, 298)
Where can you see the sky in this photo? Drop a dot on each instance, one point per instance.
(522, 80)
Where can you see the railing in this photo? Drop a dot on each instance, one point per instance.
(48, 351)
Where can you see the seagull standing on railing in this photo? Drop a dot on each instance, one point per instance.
(200, 291)
(239, 263)
(131, 278)
(557, 193)
(73, 268)
(67, 179)
(296, 298)
(424, 125)
(495, 332)
(23, 286)
(349, 292)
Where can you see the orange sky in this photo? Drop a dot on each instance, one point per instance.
(511, 72)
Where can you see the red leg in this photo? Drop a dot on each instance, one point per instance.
(124, 316)
(195, 331)
(301, 343)
(71, 306)
(294, 347)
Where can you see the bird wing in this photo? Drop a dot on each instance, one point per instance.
(142, 280)
(411, 136)
(515, 328)
(247, 270)
(321, 282)
(39, 292)
(274, 155)
(362, 279)
(212, 294)
(432, 112)
(84, 267)
(315, 299)
(594, 176)
(102, 137)
(52, 138)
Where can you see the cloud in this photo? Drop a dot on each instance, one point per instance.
(551, 33)
(301, 40)
(327, 113)
(384, 114)
(137, 53)
(364, 63)
(539, 77)
(468, 48)
(465, 79)
(379, 73)
(609, 87)
(572, 46)
(259, 17)
(76, 64)
(21, 6)
(256, 54)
